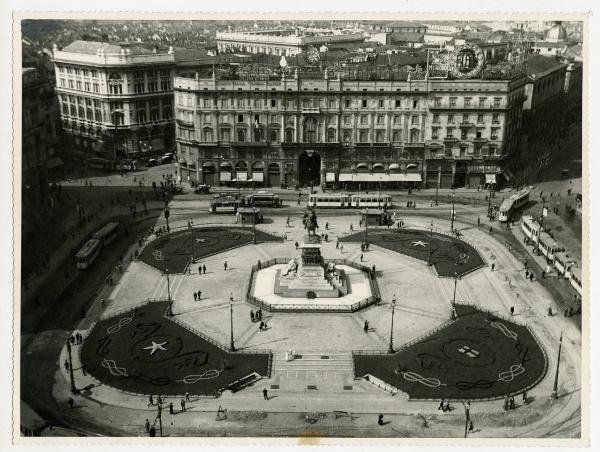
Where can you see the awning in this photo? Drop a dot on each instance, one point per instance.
(329, 177)
(362, 165)
(351, 177)
(394, 166)
(225, 177)
(242, 176)
(258, 177)
(490, 178)
(411, 165)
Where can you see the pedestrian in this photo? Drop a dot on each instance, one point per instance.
(287, 222)
(566, 312)
(170, 407)
(199, 295)
(182, 403)
(531, 276)
(342, 249)
(159, 400)
(259, 264)
(72, 339)
(351, 227)
(493, 266)
(195, 296)
(570, 311)
(512, 310)
(296, 245)
(512, 403)
(265, 394)
(326, 226)
(550, 312)
(337, 244)
(490, 229)
(506, 402)
(373, 270)
(447, 407)
(251, 315)
(147, 426)
(441, 405)
(150, 400)
(199, 269)
(366, 326)
(204, 269)
(471, 426)
(526, 274)
(187, 396)
(261, 326)
(71, 402)
(260, 313)
(380, 419)
(66, 365)
(326, 237)
(225, 265)
(361, 257)
(543, 274)
(525, 399)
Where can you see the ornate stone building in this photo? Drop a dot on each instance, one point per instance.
(115, 99)
(342, 133)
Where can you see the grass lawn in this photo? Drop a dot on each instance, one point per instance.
(475, 357)
(448, 254)
(118, 352)
(174, 251)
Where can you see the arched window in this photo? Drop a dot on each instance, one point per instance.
(273, 136)
(414, 135)
(289, 135)
(154, 114)
(241, 135)
(310, 130)
(141, 116)
(207, 135)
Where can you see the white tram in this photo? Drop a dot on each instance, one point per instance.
(371, 200)
(107, 233)
(329, 200)
(548, 246)
(510, 205)
(88, 253)
(563, 264)
(530, 228)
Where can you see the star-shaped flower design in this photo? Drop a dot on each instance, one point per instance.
(419, 243)
(200, 240)
(155, 347)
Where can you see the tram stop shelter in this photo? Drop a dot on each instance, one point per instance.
(248, 215)
(374, 217)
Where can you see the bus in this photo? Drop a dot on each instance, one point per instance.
(88, 253)
(549, 247)
(371, 201)
(100, 163)
(563, 264)
(107, 233)
(262, 199)
(328, 200)
(530, 228)
(224, 205)
(510, 205)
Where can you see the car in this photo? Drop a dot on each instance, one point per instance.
(202, 189)
(167, 158)
(151, 162)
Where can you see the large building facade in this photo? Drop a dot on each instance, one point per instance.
(339, 133)
(116, 100)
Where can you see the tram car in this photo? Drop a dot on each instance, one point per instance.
(371, 201)
(107, 233)
(530, 228)
(227, 204)
(575, 280)
(329, 200)
(262, 199)
(513, 203)
(88, 253)
(548, 246)
(563, 264)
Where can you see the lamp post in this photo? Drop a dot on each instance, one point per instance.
(114, 113)
(170, 310)
(231, 344)
(430, 242)
(437, 187)
(254, 215)
(555, 387)
(391, 348)
(537, 244)
(366, 225)
(159, 417)
(467, 418)
(452, 213)
(167, 214)
(193, 248)
(454, 296)
(71, 376)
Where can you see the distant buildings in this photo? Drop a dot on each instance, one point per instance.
(115, 99)
(282, 42)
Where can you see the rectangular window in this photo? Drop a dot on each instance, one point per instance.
(207, 118)
(453, 102)
(396, 119)
(480, 119)
(463, 134)
(380, 119)
(63, 82)
(363, 103)
(451, 118)
(438, 101)
(94, 73)
(240, 118)
(436, 119)
(495, 118)
(273, 102)
(467, 101)
(381, 103)
(165, 85)
(435, 133)
(364, 136)
(241, 103)
(497, 101)
(398, 103)
(347, 103)
(415, 104)
(482, 102)
(347, 119)
(494, 133)
(331, 103)
(206, 103)
(363, 119)
(450, 132)
(465, 118)
(87, 86)
(71, 84)
(414, 119)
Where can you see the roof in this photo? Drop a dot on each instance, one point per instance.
(404, 24)
(408, 37)
(92, 47)
(539, 64)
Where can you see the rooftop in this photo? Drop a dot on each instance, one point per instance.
(95, 47)
(538, 64)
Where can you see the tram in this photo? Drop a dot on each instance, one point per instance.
(329, 200)
(88, 253)
(371, 201)
(510, 205)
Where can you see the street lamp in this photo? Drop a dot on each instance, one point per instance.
(391, 348)
(114, 113)
(231, 344)
(71, 376)
(193, 250)
(437, 187)
(454, 296)
(467, 416)
(170, 310)
(254, 218)
(555, 387)
(167, 214)
(430, 242)
(452, 213)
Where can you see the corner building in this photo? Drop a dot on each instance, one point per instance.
(115, 99)
(347, 134)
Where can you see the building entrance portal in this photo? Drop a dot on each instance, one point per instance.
(309, 169)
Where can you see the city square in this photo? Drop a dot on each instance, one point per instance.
(308, 229)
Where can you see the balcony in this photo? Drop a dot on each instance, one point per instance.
(467, 124)
(311, 110)
(450, 140)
